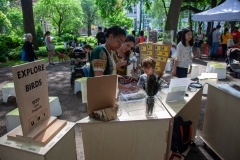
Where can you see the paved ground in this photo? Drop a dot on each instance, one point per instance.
(74, 110)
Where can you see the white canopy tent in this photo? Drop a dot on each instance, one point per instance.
(227, 11)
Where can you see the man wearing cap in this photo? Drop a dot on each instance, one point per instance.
(216, 35)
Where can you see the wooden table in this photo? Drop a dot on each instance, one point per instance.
(127, 137)
(188, 109)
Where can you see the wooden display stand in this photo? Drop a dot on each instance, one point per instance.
(60, 147)
(159, 51)
(188, 109)
(221, 123)
(30, 81)
(127, 137)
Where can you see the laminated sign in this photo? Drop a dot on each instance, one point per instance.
(30, 81)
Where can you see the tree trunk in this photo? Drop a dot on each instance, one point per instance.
(209, 27)
(59, 30)
(28, 21)
(89, 28)
(172, 17)
(233, 25)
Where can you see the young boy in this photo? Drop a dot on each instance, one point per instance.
(148, 67)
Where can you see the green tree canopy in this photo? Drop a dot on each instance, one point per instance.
(16, 18)
(5, 24)
(65, 15)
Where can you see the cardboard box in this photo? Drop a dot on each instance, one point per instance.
(62, 146)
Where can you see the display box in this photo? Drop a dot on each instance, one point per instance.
(208, 78)
(135, 103)
(62, 146)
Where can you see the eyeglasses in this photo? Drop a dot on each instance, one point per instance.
(119, 41)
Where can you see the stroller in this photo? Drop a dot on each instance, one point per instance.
(77, 61)
(232, 61)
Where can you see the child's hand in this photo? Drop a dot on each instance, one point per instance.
(174, 72)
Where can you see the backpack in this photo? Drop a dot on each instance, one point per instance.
(24, 56)
(181, 136)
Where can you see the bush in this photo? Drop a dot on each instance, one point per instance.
(3, 58)
(41, 53)
(91, 39)
(14, 54)
(67, 37)
(9, 42)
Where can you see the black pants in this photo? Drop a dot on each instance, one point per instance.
(224, 49)
(182, 72)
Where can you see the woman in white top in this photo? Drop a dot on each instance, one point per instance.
(50, 47)
(183, 54)
(198, 42)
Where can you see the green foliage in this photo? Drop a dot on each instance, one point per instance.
(63, 15)
(120, 19)
(3, 58)
(9, 42)
(5, 24)
(67, 37)
(15, 16)
(91, 40)
(14, 54)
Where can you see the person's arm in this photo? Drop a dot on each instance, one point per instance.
(176, 58)
(49, 39)
(99, 62)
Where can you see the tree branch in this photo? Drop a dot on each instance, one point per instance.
(164, 5)
(195, 10)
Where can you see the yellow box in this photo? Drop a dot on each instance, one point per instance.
(163, 59)
(158, 53)
(149, 53)
(149, 47)
(158, 64)
(143, 48)
(158, 69)
(165, 54)
(164, 48)
(157, 48)
(157, 58)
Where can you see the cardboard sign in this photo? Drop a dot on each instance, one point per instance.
(30, 81)
(101, 92)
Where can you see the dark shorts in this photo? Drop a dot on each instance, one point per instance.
(182, 72)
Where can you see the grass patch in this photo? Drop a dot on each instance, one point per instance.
(17, 62)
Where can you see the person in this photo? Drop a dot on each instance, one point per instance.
(50, 47)
(209, 41)
(100, 36)
(134, 35)
(198, 42)
(88, 49)
(236, 35)
(74, 43)
(225, 36)
(179, 36)
(183, 54)
(141, 38)
(121, 56)
(28, 47)
(126, 28)
(215, 40)
(149, 65)
(102, 62)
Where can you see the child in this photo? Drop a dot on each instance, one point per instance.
(183, 55)
(148, 67)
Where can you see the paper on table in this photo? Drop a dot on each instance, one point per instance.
(179, 84)
(84, 90)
